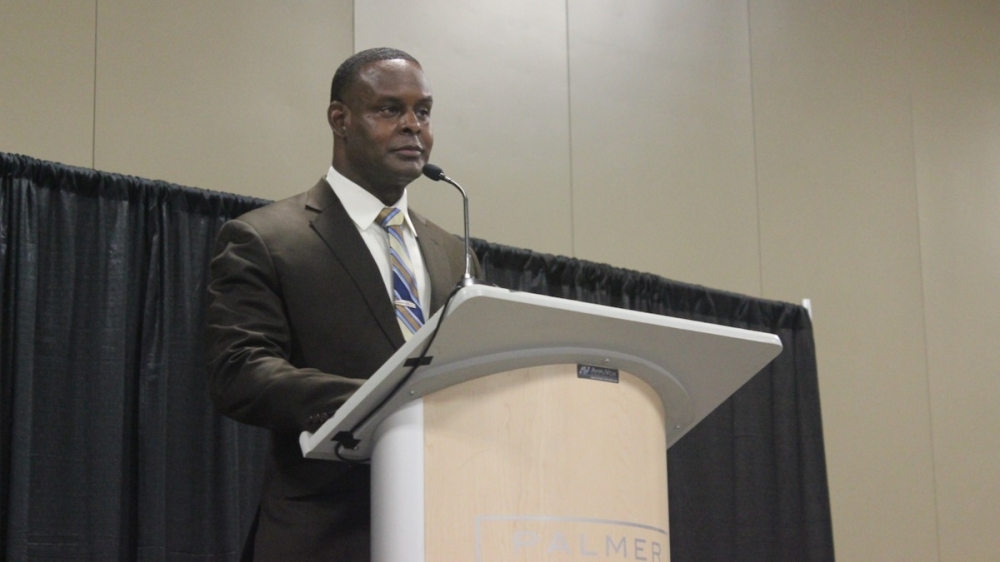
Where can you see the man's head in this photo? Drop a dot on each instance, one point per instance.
(380, 109)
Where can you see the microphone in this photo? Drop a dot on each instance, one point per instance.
(437, 174)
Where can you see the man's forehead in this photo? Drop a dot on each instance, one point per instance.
(392, 74)
(391, 65)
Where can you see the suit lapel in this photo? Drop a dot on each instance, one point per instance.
(435, 260)
(338, 231)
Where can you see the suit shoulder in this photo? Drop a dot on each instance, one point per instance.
(277, 210)
(278, 217)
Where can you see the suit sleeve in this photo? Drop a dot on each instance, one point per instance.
(249, 343)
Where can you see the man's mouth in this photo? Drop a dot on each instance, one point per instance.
(409, 151)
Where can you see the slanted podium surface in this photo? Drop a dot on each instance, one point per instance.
(693, 366)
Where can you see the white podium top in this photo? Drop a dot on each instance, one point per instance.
(693, 366)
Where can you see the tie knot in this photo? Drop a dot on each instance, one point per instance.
(390, 216)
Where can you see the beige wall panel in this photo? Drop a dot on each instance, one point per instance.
(663, 170)
(839, 224)
(956, 76)
(229, 96)
(47, 79)
(498, 71)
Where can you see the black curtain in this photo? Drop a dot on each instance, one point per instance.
(110, 449)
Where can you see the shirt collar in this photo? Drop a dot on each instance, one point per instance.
(361, 206)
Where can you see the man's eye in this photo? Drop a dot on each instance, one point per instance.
(424, 113)
(388, 110)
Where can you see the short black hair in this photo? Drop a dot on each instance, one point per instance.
(349, 70)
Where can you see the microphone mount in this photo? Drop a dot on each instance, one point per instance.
(437, 174)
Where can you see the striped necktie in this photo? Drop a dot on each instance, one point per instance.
(404, 283)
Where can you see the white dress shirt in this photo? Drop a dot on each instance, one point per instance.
(363, 208)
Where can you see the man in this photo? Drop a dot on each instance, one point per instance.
(306, 302)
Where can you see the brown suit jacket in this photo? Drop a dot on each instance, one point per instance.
(298, 318)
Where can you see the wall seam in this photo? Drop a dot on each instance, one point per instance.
(908, 35)
(93, 114)
(756, 177)
(569, 131)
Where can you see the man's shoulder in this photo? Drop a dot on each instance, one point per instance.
(275, 211)
(290, 212)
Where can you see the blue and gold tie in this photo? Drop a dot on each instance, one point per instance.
(404, 283)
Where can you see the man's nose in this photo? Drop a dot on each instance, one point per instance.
(410, 122)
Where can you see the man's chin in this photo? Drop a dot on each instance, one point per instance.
(409, 169)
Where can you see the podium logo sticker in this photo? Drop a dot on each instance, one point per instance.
(596, 373)
(567, 538)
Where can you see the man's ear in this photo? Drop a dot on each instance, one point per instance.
(337, 115)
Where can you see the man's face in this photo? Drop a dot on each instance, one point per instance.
(385, 126)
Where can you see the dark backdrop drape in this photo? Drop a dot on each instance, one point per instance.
(110, 449)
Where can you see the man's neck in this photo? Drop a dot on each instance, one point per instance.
(388, 195)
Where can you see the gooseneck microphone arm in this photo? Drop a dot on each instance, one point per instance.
(437, 174)
(345, 439)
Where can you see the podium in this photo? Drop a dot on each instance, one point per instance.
(516, 426)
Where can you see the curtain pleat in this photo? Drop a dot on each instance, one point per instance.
(110, 448)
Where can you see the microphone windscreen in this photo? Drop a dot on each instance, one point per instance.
(433, 172)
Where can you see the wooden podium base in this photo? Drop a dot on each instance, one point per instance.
(539, 464)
